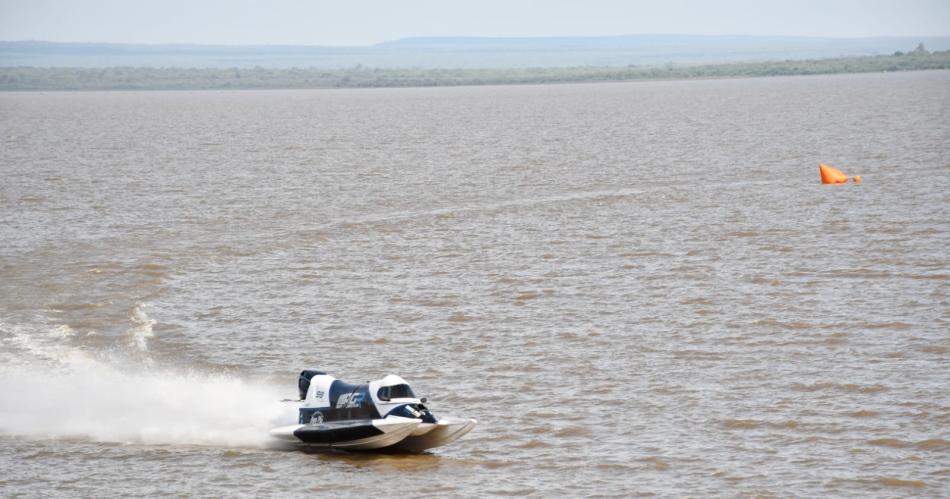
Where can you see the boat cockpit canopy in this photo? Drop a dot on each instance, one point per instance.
(401, 391)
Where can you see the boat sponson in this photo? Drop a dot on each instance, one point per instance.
(337, 431)
(446, 431)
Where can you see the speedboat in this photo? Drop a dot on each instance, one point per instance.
(382, 414)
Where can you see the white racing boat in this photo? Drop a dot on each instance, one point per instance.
(382, 414)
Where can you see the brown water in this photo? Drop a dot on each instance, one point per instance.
(638, 289)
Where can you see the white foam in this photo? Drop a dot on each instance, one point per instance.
(141, 330)
(59, 392)
(31, 344)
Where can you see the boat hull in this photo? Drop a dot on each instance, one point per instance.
(443, 432)
(365, 434)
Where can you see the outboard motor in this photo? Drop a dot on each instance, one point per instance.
(303, 382)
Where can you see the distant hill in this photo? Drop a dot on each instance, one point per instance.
(462, 52)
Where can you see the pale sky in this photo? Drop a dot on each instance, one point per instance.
(363, 22)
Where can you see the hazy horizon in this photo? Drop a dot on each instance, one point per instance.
(464, 52)
(475, 38)
(291, 22)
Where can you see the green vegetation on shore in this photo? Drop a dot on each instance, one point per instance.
(140, 78)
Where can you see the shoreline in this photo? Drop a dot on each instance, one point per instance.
(38, 79)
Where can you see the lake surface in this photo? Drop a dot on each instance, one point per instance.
(636, 288)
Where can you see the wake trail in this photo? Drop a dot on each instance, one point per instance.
(61, 392)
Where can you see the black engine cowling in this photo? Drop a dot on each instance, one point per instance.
(303, 382)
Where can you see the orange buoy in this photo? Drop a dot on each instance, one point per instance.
(831, 175)
(856, 179)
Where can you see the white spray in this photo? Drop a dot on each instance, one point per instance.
(50, 391)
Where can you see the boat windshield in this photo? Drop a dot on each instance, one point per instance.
(395, 392)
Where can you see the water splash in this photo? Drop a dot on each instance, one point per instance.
(142, 327)
(59, 392)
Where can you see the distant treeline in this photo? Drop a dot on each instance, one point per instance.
(132, 78)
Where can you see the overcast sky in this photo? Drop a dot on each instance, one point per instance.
(361, 22)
